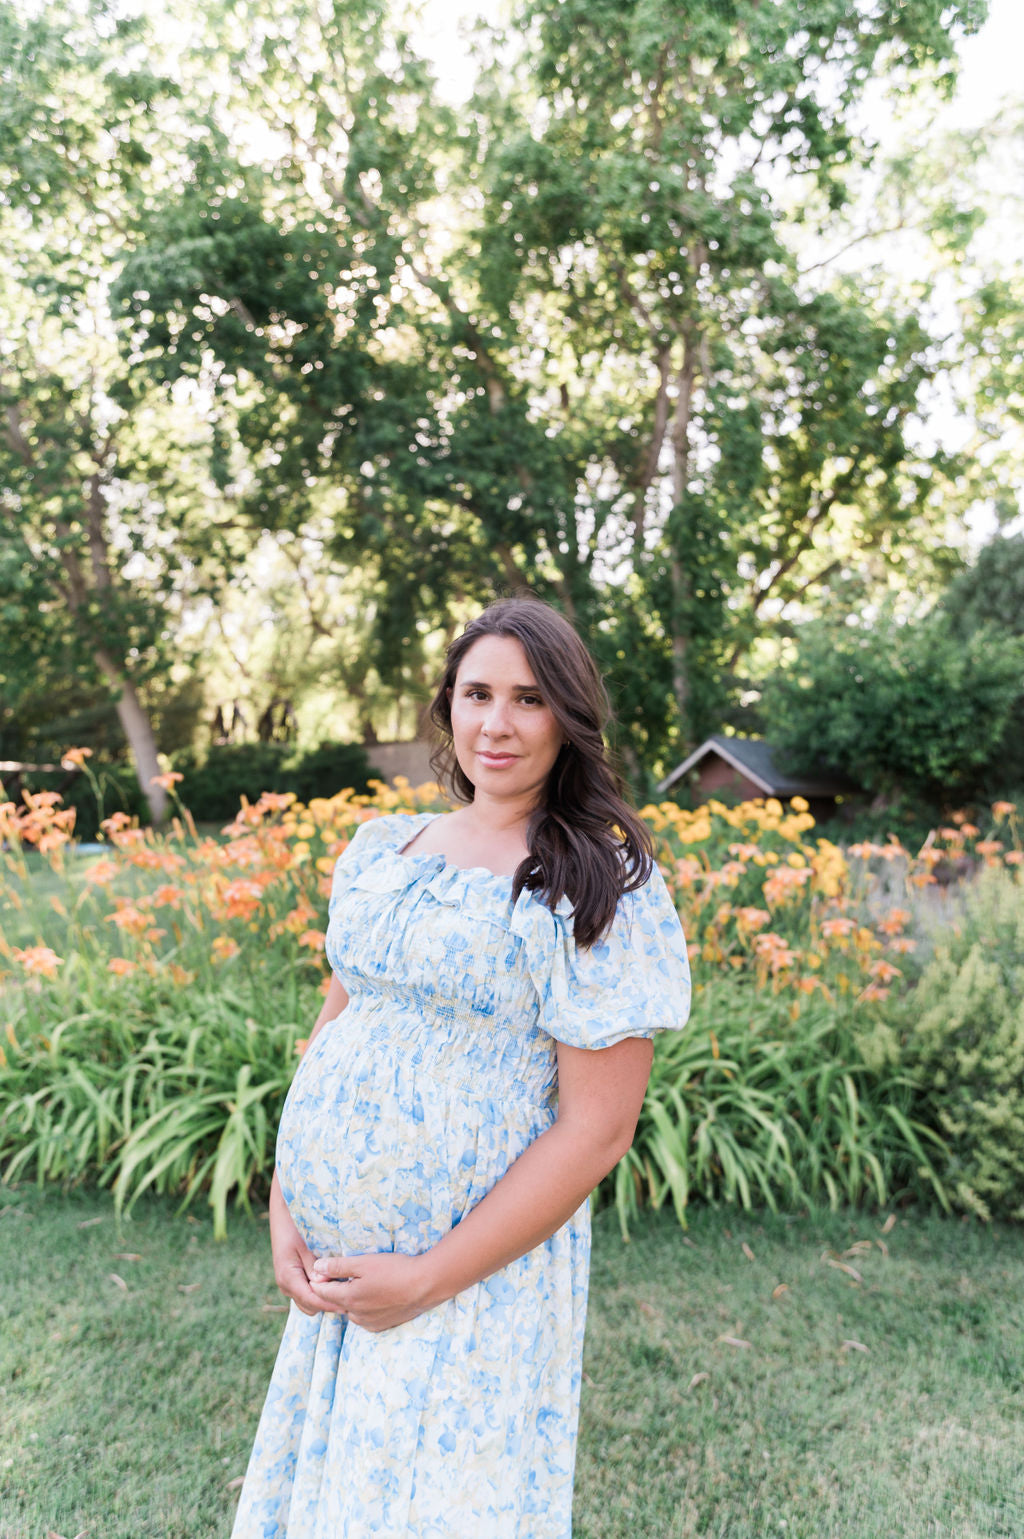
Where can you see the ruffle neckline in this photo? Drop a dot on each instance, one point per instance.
(385, 868)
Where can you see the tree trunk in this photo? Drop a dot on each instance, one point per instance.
(686, 380)
(139, 732)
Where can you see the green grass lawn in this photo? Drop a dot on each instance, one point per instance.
(757, 1376)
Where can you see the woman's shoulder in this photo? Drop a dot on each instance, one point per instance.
(389, 828)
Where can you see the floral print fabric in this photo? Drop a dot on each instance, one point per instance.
(404, 1113)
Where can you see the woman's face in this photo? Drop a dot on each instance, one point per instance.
(506, 737)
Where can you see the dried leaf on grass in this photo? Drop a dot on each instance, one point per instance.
(853, 1346)
(779, 1290)
(889, 1224)
(858, 1248)
(733, 1341)
(87, 1223)
(188, 1287)
(274, 1309)
(127, 1255)
(118, 1282)
(842, 1266)
(698, 1378)
(745, 1248)
(233, 1485)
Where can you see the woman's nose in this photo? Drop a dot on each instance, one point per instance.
(496, 720)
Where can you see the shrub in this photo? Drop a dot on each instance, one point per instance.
(328, 769)
(155, 1047)
(153, 996)
(964, 1044)
(212, 788)
(163, 1087)
(767, 1100)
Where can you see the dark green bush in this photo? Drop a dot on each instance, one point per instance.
(963, 1043)
(212, 787)
(331, 768)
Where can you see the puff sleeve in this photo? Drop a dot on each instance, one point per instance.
(370, 838)
(633, 983)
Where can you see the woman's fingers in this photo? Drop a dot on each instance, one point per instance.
(332, 1295)
(294, 1282)
(334, 1268)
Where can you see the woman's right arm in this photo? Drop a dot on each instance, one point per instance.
(293, 1260)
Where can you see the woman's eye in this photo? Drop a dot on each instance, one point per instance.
(531, 700)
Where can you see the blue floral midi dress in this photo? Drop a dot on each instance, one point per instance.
(405, 1111)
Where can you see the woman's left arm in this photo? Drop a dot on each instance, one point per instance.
(600, 1093)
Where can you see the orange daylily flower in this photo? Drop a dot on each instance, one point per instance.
(74, 758)
(895, 921)
(41, 960)
(101, 872)
(129, 918)
(168, 779)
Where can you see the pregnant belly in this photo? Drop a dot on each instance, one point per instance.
(375, 1154)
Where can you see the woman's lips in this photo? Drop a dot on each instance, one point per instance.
(497, 758)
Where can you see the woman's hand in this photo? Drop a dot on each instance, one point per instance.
(375, 1291)
(293, 1259)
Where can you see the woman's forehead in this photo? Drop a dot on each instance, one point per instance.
(493, 658)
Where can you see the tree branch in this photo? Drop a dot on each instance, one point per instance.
(857, 240)
(640, 482)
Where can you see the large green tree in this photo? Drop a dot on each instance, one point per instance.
(561, 341)
(987, 599)
(558, 340)
(914, 708)
(116, 508)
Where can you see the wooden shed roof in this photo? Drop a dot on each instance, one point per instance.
(752, 758)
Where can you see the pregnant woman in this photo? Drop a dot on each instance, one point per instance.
(477, 1068)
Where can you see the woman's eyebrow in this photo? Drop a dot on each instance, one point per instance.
(522, 689)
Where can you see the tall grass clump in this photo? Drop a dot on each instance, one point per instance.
(767, 1102)
(155, 997)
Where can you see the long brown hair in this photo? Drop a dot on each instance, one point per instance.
(585, 841)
